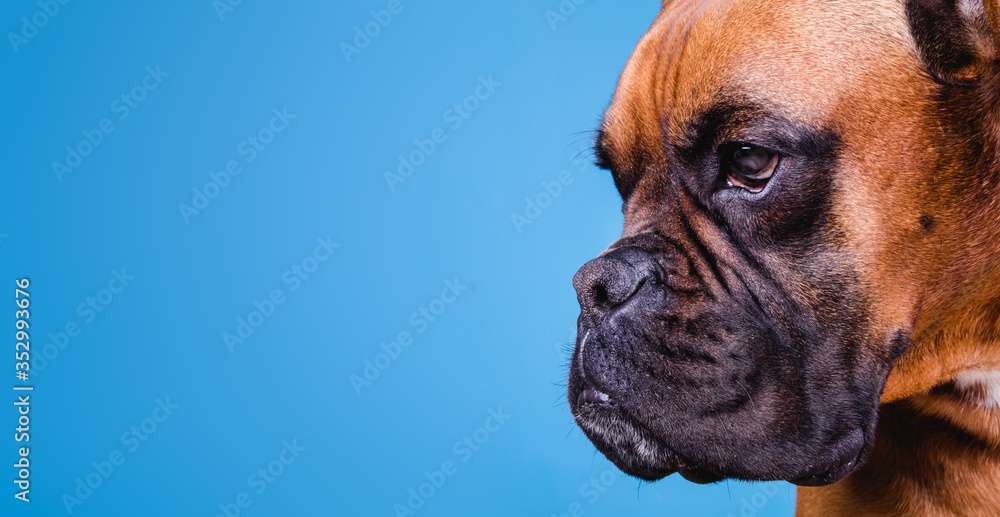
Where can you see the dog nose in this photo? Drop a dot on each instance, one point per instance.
(610, 280)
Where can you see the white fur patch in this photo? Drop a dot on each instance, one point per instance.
(983, 385)
(971, 9)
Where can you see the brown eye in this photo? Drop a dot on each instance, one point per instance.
(749, 166)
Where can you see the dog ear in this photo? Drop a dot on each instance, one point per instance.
(958, 40)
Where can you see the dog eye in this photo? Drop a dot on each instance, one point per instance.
(748, 166)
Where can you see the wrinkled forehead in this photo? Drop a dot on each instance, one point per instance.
(804, 60)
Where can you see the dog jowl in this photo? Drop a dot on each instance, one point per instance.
(783, 232)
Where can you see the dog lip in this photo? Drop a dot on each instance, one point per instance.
(698, 475)
(627, 443)
(593, 407)
(593, 397)
(826, 477)
(852, 450)
(639, 452)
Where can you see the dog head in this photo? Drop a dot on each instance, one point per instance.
(788, 169)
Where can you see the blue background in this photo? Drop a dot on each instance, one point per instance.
(501, 344)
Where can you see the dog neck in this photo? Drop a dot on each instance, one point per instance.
(933, 468)
(940, 448)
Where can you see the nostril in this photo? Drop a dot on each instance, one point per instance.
(600, 295)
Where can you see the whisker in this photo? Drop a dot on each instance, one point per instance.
(753, 408)
(921, 349)
(723, 424)
(588, 151)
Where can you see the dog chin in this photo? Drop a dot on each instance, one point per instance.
(632, 448)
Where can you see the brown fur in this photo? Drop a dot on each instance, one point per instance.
(918, 201)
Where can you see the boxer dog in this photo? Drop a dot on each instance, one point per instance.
(811, 191)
